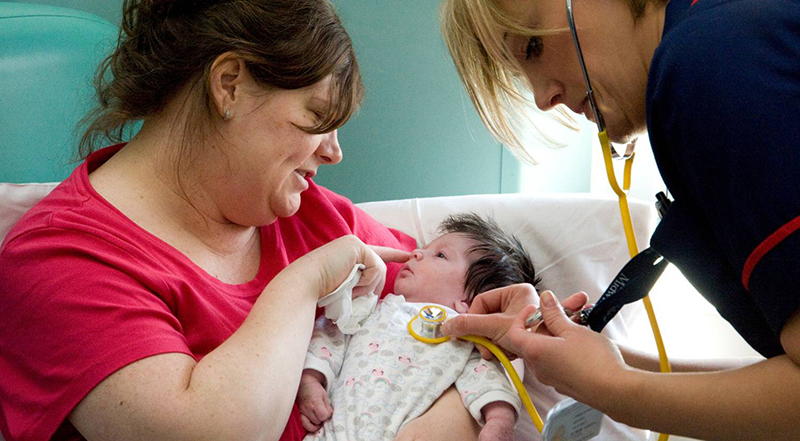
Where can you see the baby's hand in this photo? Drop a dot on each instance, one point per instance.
(500, 418)
(312, 399)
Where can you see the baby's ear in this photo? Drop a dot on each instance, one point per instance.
(461, 306)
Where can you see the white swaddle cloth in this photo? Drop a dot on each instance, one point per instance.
(347, 312)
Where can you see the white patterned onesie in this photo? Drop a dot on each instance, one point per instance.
(381, 377)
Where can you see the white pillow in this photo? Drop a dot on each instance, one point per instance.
(16, 199)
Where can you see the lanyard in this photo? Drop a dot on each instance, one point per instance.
(633, 282)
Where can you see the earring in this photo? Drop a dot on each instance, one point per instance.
(227, 114)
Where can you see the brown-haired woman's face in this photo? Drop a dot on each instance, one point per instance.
(611, 48)
(268, 157)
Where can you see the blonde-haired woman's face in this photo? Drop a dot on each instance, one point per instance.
(615, 54)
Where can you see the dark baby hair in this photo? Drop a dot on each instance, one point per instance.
(501, 261)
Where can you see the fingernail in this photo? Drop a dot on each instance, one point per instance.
(548, 299)
(446, 328)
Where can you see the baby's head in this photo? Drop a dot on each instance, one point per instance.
(472, 255)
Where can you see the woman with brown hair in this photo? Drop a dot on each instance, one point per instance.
(716, 84)
(167, 289)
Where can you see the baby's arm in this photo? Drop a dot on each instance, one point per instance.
(323, 364)
(500, 418)
(312, 400)
(490, 398)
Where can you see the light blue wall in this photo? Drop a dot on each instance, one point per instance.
(417, 133)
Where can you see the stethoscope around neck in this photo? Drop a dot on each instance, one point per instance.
(609, 153)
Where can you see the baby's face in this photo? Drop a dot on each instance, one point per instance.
(436, 273)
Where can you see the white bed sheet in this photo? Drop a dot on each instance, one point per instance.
(576, 242)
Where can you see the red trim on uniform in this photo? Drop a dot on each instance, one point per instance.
(693, 2)
(764, 247)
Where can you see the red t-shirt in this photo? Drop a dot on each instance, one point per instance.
(85, 292)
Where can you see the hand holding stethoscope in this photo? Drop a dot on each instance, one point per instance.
(496, 319)
(492, 314)
(570, 357)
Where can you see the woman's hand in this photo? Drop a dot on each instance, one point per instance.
(332, 262)
(387, 255)
(493, 312)
(573, 359)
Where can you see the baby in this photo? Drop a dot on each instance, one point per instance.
(368, 385)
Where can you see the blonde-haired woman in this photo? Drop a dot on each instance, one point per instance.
(716, 84)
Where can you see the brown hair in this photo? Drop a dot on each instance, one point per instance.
(167, 45)
(493, 78)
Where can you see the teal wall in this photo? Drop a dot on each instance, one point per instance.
(48, 57)
(417, 134)
(111, 10)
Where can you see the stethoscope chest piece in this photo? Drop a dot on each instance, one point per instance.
(427, 325)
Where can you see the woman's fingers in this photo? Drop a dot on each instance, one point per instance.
(510, 299)
(373, 277)
(553, 315)
(576, 302)
(388, 254)
(492, 326)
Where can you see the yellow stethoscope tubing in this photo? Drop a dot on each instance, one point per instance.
(633, 249)
(523, 393)
(512, 373)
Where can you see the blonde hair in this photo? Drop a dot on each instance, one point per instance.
(474, 31)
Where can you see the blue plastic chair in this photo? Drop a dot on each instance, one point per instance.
(48, 58)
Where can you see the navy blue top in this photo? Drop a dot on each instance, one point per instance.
(723, 114)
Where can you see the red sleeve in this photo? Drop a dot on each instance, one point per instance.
(66, 331)
(372, 232)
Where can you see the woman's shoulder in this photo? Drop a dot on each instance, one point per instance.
(699, 36)
(721, 57)
(71, 229)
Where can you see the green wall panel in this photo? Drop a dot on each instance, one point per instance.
(48, 57)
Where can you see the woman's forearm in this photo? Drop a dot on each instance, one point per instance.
(649, 362)
(757, 402)
(258, 369)
(243, 389)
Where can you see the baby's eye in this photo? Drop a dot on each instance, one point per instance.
(441, 255)
(533, 48)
